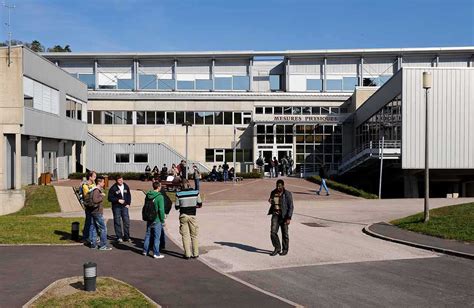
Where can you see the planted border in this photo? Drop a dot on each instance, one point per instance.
(350, 190)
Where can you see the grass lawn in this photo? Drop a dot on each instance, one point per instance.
(23, 228)
(450, 222)
(109, 293)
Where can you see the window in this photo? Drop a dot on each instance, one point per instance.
(185, 85)
(141, 117)
(241, 83)
(219, 117)
(223, 83)
(268, 110)
(169, 117)
(237, 118)
(28, 101)
(247, 117)
(179, 117)
(125, 84)
(334, 110)
(108, 117)
(314, 85)
(306, 110)
(349, 83)
(79, 111)
(147, 82)
(259, 110)
(160, 117)
(89, 117)
(219, 155)
(88, 79)
(334, 84)
(150, 118)
(166, 84)
(203, 84)
(209, 118)
(275, 84)
(122, 158)
(324, 110)
(140, 158)
(287, 110)
(296, 110)
(190, 117)
(199, 118)
(228, 118)
(209, 155)
(97, 117)
(277, 110)
(316, 110)
(70, 109)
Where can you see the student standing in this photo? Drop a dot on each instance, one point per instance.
(89, 228)
(121, 198)
(156, 225)
(97, 212)
(281, 209)
(187, 201)
(197, 177)
(225, 169)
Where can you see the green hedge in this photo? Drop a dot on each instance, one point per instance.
(343, 188)
(111, 175)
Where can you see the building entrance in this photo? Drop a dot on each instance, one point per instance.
(268, 152)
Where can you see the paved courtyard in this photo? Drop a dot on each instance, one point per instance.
(331, 262)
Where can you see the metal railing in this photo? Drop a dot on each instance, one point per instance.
(391, 150)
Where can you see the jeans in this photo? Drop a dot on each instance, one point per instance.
(99, 223)
(157, 227)
(226, 175)
(196, 184)
(121, 213)
(279, 222)
(89, 228)
(323, 184)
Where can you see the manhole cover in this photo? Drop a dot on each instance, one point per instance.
(313, 224)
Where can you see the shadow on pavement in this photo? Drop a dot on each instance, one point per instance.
(244, 247)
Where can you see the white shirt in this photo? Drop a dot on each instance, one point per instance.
(121, 187)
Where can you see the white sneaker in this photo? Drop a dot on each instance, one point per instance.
(158, 257)
(120, 240)
(144, 253)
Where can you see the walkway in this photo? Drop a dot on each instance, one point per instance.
(171, 281)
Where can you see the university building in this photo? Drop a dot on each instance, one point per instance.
(321, 107)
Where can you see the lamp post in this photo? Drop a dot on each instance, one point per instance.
(187, 124)
(234, 154)
(427, 85)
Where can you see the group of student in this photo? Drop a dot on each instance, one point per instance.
(282, 167)
(177, 174)
(221, 173)
(157, 206)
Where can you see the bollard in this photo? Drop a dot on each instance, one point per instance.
(75, 231)
(90, 276)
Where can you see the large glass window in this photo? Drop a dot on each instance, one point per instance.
(160, 117)
(199, 118)
(88, 79)
(122, 158)
(219, 117)
(185, 85)
(150, 117)
(334, 84)
(314, 84)
(140, 158)
(228, 118)
(141, 118)
(350, 83)
(125, 84)
(166, 84)
(275, 83)
(179, 117)
(237, 118)
(170, 117)
(209, 118)
(241, 82)
(147, 82)
(190, 117)
(203, 84)
(223, 83)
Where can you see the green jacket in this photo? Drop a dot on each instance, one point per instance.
(159, 205)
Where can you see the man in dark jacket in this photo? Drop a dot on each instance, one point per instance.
(120, 197)
(97, 195)
(281, 210)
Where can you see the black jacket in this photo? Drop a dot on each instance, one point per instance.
(286, 204)
(322, 173)
(115, 195)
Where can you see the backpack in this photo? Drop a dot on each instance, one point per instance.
(168, 202)
(149, 212)
(87, 201)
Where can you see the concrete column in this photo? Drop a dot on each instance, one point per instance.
(96, 75)
(361, 72)
(83, 156)
(399, 62)
(175, 75)
(17, 161)
(135, 74)
(2, 161)
(250, 73)
(325, 65)
(73, 157)
(213, 76)
(287, 75)
(39, 159)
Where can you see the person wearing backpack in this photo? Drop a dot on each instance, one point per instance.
(121, 198)
(154, 214)
(187, 201)
(89, 228)
(95, 203)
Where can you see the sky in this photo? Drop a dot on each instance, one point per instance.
(206, 25)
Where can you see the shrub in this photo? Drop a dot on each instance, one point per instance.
(111, 175)
(343, 188)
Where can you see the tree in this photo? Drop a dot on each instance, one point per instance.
(58, 48)
(36, 46)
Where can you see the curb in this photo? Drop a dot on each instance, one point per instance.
(367, 231)
(208, 264)
(53, 284)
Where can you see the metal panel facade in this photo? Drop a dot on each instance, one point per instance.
(451, 110)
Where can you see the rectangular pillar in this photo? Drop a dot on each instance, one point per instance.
(83, 156)
(39, 159)
(2, 162)
(73, 157)
(17, 161)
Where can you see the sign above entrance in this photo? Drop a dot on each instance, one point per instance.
(299, 118)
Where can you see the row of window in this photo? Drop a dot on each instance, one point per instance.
(73, 109)
(227, 155)
(300, 110)
(169, 117)
(138, 158)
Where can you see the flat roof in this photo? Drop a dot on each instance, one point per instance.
(253, 53)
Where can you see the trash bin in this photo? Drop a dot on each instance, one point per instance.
(75, 231)
(45, 178)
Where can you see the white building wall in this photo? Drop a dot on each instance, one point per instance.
(450, 119)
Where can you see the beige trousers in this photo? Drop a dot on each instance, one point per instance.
(188, 228)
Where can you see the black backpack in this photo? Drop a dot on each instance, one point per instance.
(149, 212)
(168, 202)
